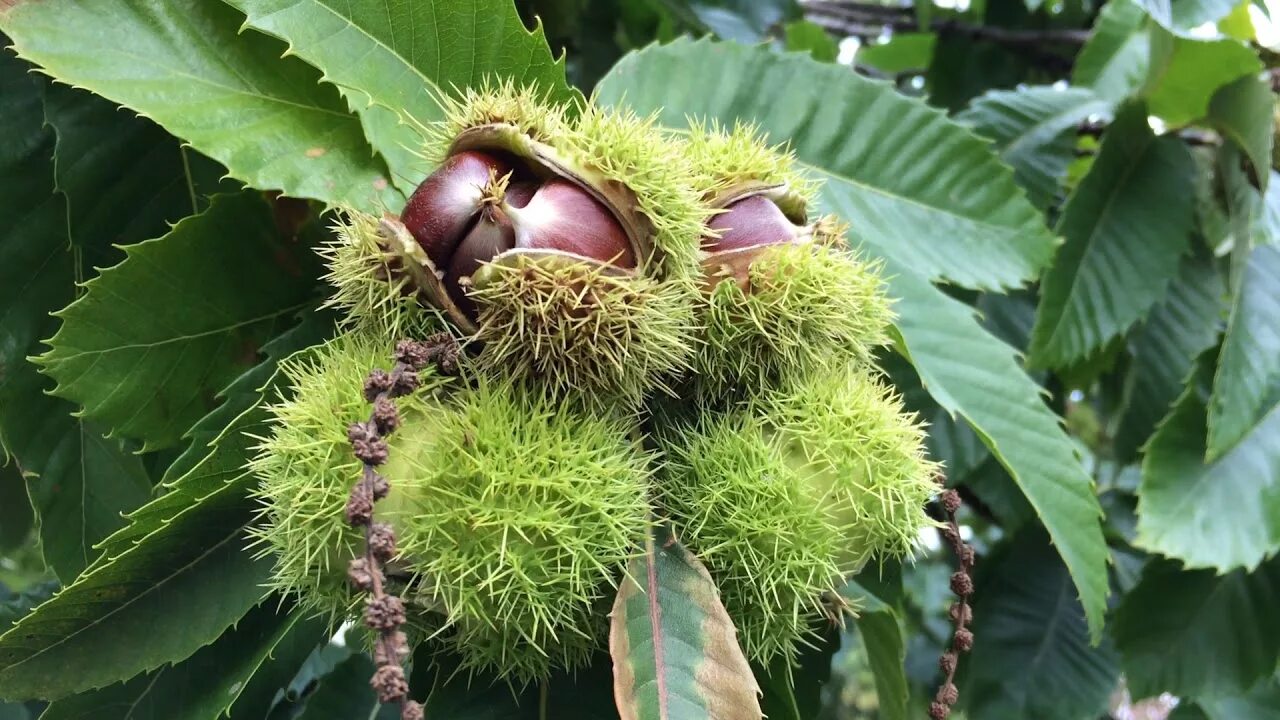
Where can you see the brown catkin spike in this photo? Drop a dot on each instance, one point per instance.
(961, 613)
(384, 613)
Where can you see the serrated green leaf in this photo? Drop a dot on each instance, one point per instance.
(1184, 16)
(124, 178)
(152, 339)
(219, 465)
(1034, 130)
(1243, 112)
(1247, 385)
(244, 394)
(1199, 634)
(155, 602)
(1222, 514)
(881, 633)
(1185, 74)
(1032, 658)
(1266, 229)
(1164, 349)
(917, 187)
(391, 59)
(878, 135)
(675, 651)
(1126, 225)
(973, 375)
(221, 677)
(1115, 59)
(345, 693)
(231, 95)
(78, 482)
(318, 664)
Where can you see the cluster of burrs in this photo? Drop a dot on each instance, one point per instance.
(384, 613)
(655, 324)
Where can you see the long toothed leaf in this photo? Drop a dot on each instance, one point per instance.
(393, 59)
(675, 651)
(186, 65)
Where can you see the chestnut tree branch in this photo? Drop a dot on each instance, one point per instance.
(869, 20)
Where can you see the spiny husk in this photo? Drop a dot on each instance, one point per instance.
(571, 325)
(729, 160)
(581, 330)
(306, 469)
(524, 108)
(773, 313)
(794, 308)
(619, 156)
(528, 513)
(785, 497)
(379, 278)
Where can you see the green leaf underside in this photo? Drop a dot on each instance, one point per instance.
(674, 647)
(152, 340)
(1164, 349)
(729, 83)
(78, 482)
(392, 58)
(1126, 226)
(1185, 15)
(220, 677)
(1034, 658)
(158, 602)
(244, 393)
(1185, 74)
(881, 634)
(1243, 112)
(1197, 633)
(1222, 514)
(916, 186)
(267, 119)
(1247, 385)
(1114, 61)
(995, 396)
(1034, 130)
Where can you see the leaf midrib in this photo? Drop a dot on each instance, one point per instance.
(1100, 220)
(376, 41)
(62, 358)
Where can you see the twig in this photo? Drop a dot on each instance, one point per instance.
(961, 613)
(867, 20)
(1190, 136)
(383, 613)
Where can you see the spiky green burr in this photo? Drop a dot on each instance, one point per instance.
(782, 295)
(526, 514)
(569, 322)
(306, 469)
(787, 495)
(515, 514)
